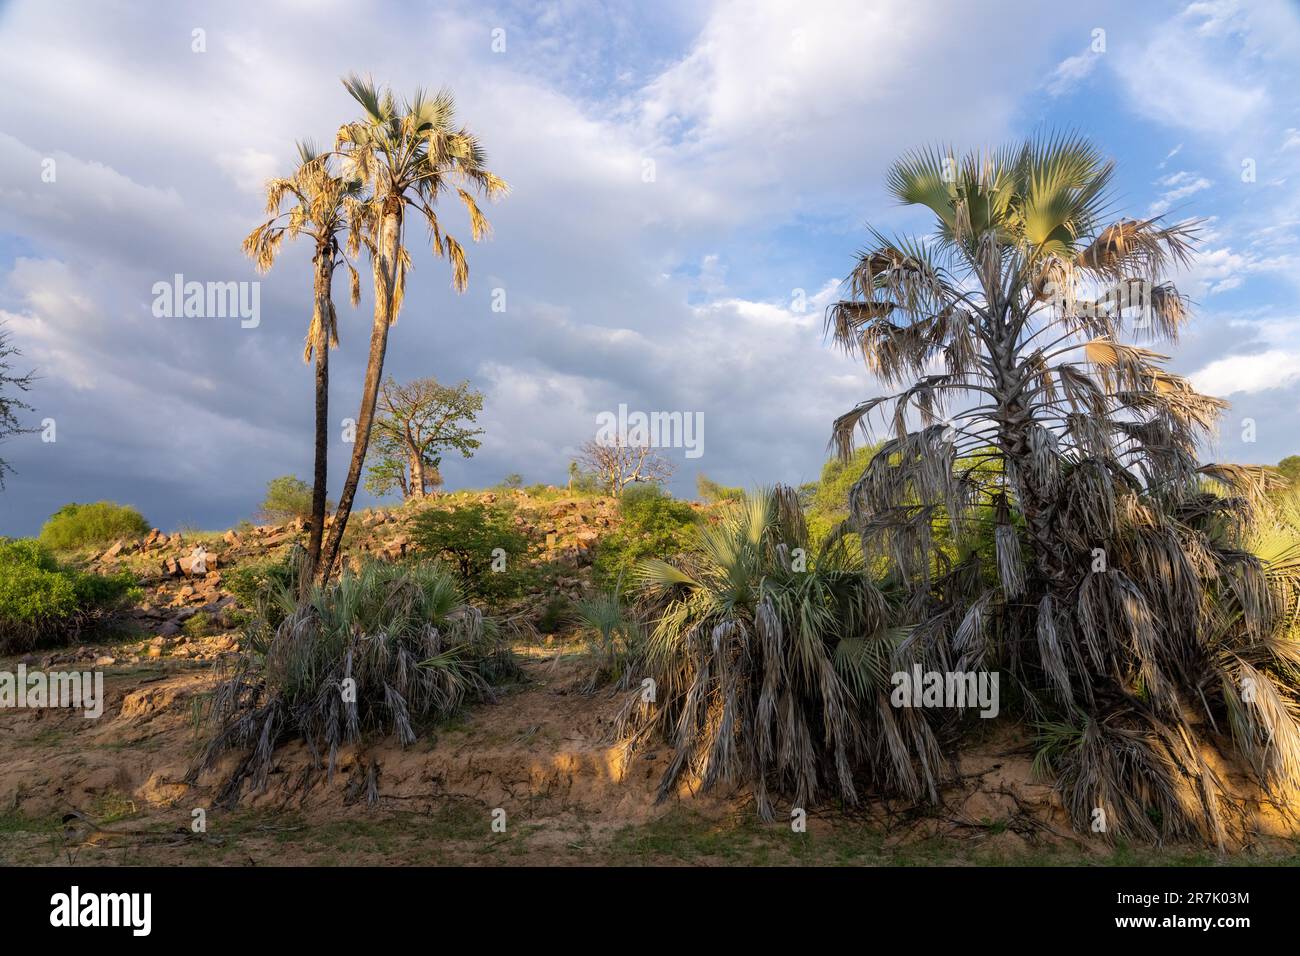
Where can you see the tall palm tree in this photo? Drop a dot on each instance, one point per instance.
(1116, 589)
(409, 154)
(322, 206)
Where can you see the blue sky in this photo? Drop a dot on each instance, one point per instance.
(770, 126)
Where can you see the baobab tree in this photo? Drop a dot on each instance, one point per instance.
(417, 423)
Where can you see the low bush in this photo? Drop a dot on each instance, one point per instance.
(654, 525)
(712, 492)
(287, 498)
(91, 525)
(376, 652)
(483, 545)
(44, 603)
(256, 585)
(198, 625)
(556, 613)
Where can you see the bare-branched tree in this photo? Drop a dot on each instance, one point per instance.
(616, 463)
(1087, 552)
(10, 403)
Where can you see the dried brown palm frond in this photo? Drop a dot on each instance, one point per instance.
(1143, 247)
(1250, 482)
(1130, 775)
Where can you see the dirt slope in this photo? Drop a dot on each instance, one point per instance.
(112, 790)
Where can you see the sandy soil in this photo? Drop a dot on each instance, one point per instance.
(112, 790)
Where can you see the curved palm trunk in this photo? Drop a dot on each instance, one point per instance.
(385, 279)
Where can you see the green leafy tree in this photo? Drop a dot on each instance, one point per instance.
(487, 550)
(287, 497)
(416, 424)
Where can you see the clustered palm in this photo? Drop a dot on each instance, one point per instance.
(771, 667)
(377, 651)
(400, 158)
(1118, 591)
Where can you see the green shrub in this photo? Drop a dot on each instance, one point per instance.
(829, 503)
(288, 497)
(197, 625)
(403, 636)
(42, 602)
(256, 585)
(654, 525)
(91, 525)
(712, 492)
(483, 545)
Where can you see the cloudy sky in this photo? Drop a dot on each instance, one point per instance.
(768, 127)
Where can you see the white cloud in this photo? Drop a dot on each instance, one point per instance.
(770, 125)
(1177, 186)
(1070, 72)
(1175, 79)
(249, 168)
(1274, 369)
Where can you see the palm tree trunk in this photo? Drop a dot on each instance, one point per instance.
(319, 488)
(1038, 510)
(385, 279)
(1036, 504)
